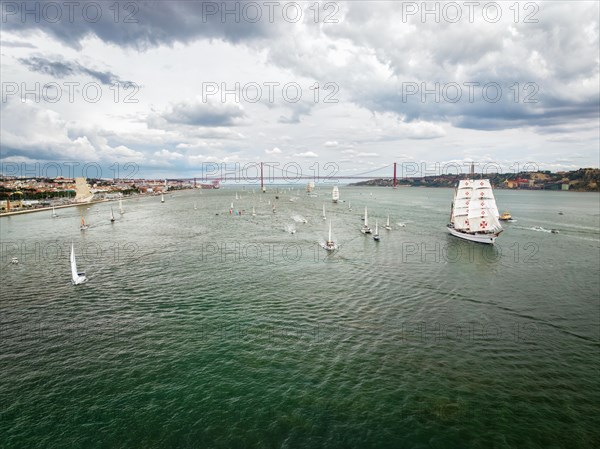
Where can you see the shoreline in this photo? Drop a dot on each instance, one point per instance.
(62, 206)
(40, 209)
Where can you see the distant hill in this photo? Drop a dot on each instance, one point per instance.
(582, 180)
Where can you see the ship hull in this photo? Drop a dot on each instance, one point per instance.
(488, 239)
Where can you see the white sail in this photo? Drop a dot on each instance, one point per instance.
(310, 187)
(335, 195)
(74, 274)
(366, 218)
(460, 209)
(112, 215)
(324, 212)
(329, 245)
(474, 208)
(121, 210)
(76, 277)
(376, 228)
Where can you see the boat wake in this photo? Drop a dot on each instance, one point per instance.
(299, 219)
(539, 229)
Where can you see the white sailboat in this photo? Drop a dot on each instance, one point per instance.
(112, 215)
(121, 210)
(349, 206)
(162, 197)
(366, 229)
(335, 195)
(387, 225)
(83, 226)
(54, 215)
(195, 207)
(253, 212)
(76, 277)
(324, 217)
(376, 235)
(329, 245)
(474, 214)
(236, 196)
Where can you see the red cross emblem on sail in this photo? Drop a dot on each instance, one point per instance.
(483, 224)
(467, 193)
(481, 194)
(481, 183)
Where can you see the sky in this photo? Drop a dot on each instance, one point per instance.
(171, 88)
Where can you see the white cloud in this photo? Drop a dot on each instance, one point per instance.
(169, 155)
(274, 151)
(307, 154)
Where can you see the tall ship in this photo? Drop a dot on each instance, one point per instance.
(474, 214)
(335, 195)
(310, 187)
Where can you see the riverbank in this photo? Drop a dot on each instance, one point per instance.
(40, 209)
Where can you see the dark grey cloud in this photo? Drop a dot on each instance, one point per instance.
(196, 113)
(142, 24)
(547, 108)
(16, 44)
(62, 69)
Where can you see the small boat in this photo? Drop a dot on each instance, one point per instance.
(474, 214)
(112, 215)
(376, 235)
(560, 213)
(387, 225)
(77, 277)
(14, 260)
(365, 228)
(329, 245)
(324, 217)
(349, 206)
(121, 210)
(554, 231)
(195, 207)
(162, 198)
(83, 226)
(335, 195)
(253, 212)
(236, 196)
(505, 216)
(54, 215)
